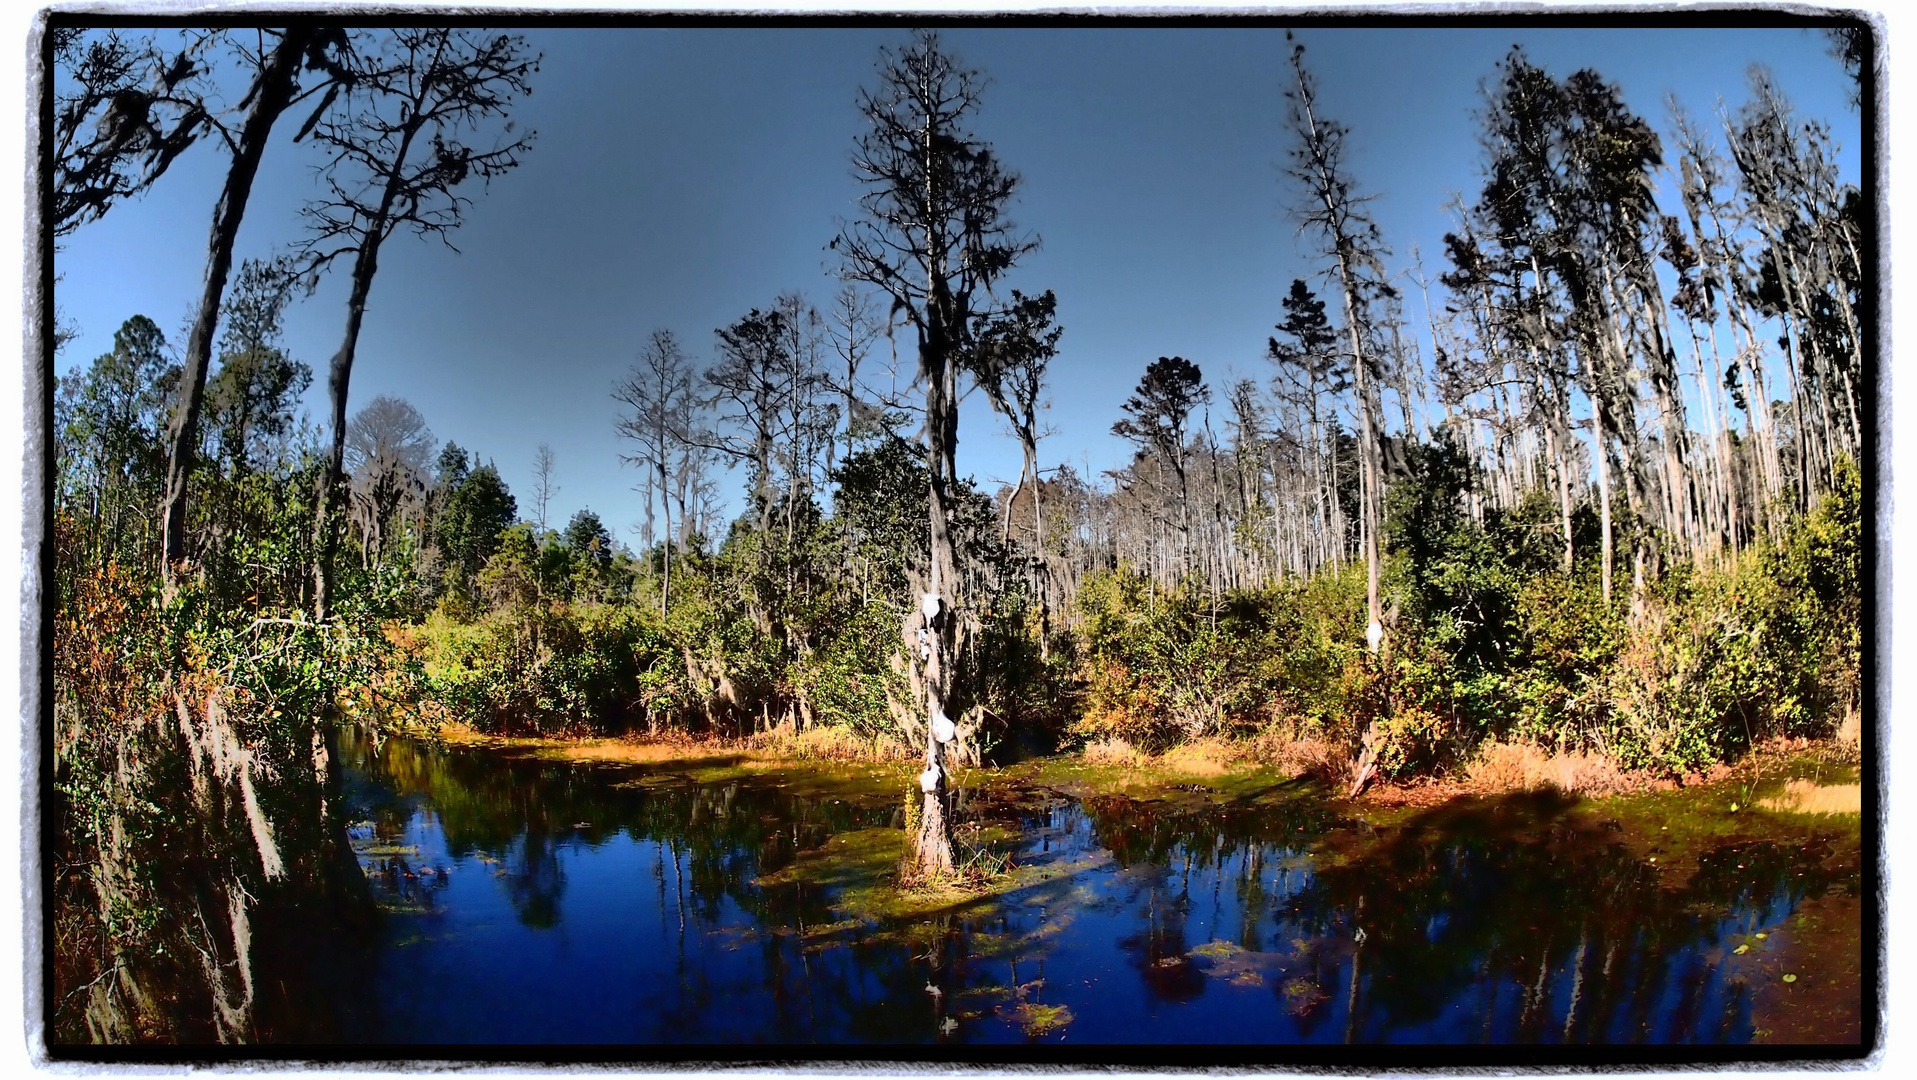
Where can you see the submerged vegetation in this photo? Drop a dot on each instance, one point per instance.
(1514, 563)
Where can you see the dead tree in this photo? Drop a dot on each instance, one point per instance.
(128, 110)
(1334, 211)
(543, 487)
(277, 64)
(932, 235)
(387, 449)
(1008, 359)
(658, 391)
(397, 159)
(747, 391)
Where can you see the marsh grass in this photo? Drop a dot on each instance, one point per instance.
(1523, 766)
(1810, 797)
(1216, 757)
(829, 743)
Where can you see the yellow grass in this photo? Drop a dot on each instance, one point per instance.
(628, 752)
(1111, 750)
(1809, 797)
(828, 743)
(622, 751)
(779, 744)
(1213, 757)
(1849, 731)
(1206, 757)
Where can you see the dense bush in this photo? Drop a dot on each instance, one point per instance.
(1771, 645)
(1490, 639)
(551, 668)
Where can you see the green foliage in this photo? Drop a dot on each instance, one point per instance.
(880, 510)
(250, 401)
(474, 509)
(850, 681)
(1771, 646)
(192, 722)
(109, 426)
(1166, 665)
(588, 540)
(542, 669)
(1491, 639)
(795, 623)
(485, 620)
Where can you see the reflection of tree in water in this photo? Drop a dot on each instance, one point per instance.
(712, 843)
(1501, 921)
(535, 879)
(1159, 949)
(1541, 929)
(307, 936)
(519, 810)
(1161, 845)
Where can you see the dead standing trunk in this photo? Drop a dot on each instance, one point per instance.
(272, 92)
(933, 845)
(1368, 461)
(448, 82)
(365, 265)
(931, 233)
(1042, 570)
(1345, 232)
(665, 500)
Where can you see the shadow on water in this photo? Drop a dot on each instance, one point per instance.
(530, 900)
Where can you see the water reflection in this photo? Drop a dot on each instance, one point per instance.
(535, 901)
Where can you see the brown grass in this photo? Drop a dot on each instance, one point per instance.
(1209, 757)
(782, 744)
(649, 752)
(827, 744)
(1284, 752)
(1849, 735)
(630, 750)
(1216, 756)
(1111, 750)
(1809, 797)
(1502, 766)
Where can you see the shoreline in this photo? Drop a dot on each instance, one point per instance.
(1801, 777)
(1799, 796)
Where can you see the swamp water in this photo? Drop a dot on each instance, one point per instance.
(531, 901)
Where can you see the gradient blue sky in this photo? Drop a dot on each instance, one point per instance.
(683, 176)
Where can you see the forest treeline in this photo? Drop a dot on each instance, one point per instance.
(1594, 484)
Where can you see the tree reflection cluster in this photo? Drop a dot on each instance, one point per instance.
(1266, 919)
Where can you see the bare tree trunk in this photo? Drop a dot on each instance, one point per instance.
(1757, 412)
(272, 91)
(933, 845)
(1603, 460)
(1614, 407)
(1726, 462)
(1555, 438)
(1683, 494)
(326, 501)
(1039, 564)
(1713, 501)
(1368, 462)
(365, 265)
(665, 500)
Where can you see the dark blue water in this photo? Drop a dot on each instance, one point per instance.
(543, 902)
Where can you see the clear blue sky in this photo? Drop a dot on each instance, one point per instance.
(682, 177)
